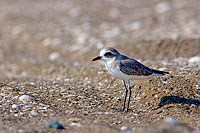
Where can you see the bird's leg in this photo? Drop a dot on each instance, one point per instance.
(129, 87)
(126, 91)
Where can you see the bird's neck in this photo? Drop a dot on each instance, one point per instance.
(108, 63)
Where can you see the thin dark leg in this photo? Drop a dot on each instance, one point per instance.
(126, 91)
(129, 87)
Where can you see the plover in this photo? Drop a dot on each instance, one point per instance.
(126, 69)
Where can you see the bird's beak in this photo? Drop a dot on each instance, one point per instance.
(97, 58)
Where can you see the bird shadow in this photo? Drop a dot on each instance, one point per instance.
(176, 99)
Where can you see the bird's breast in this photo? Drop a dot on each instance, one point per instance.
(114, 70)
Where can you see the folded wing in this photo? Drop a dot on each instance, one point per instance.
(133, 67)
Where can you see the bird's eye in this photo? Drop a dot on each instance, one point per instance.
(109, 55)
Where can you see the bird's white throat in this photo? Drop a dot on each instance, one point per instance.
(107, 63)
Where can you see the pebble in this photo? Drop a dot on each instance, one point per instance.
(34, 113)
(171, 121)
(46, 42)
(16, 115)
(21, 113)
(197, 87)
(76, 124)
(17, 30)
(74, 120)
(53, 56)
(194, 60)
(15, 106)
(76, 63)
(163, 7)
(21, 131)
(162, 69)
(55, 124)
(125, 128)
(25, 98)
(136, 25)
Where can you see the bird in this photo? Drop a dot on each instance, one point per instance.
(125, 68)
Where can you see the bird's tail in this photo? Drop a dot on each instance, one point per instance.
(157, 72)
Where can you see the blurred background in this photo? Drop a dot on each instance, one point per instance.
(66, 32)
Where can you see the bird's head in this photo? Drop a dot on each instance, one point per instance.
(107, 54)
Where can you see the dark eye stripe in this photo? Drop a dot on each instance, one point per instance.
(109, 54)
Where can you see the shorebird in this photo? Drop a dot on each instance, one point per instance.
(126, 69)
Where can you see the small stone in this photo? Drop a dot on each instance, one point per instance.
(172, 121)
(194, 60)
(74, 120)
(76, 63)
(136, 25)
(46, 42)
(125, 128)
(15, 106)
(55, 83)
(163, 7)
(53, 56)
(162, 69)
(55, 124)
(197, 87)
(21, 131)
(21, 113)
(16, 115)
(71, 112)
(34, 113)
(25, 98)
(156, 96)
(17, 30)
(76, 124)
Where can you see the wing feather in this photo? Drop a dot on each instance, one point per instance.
(133, 67)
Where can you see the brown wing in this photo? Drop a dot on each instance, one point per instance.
(133, 67)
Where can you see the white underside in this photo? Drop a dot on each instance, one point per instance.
(120, 75)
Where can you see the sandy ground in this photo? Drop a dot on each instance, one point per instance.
(46, 48)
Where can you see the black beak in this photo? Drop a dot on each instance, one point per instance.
(97, 58)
